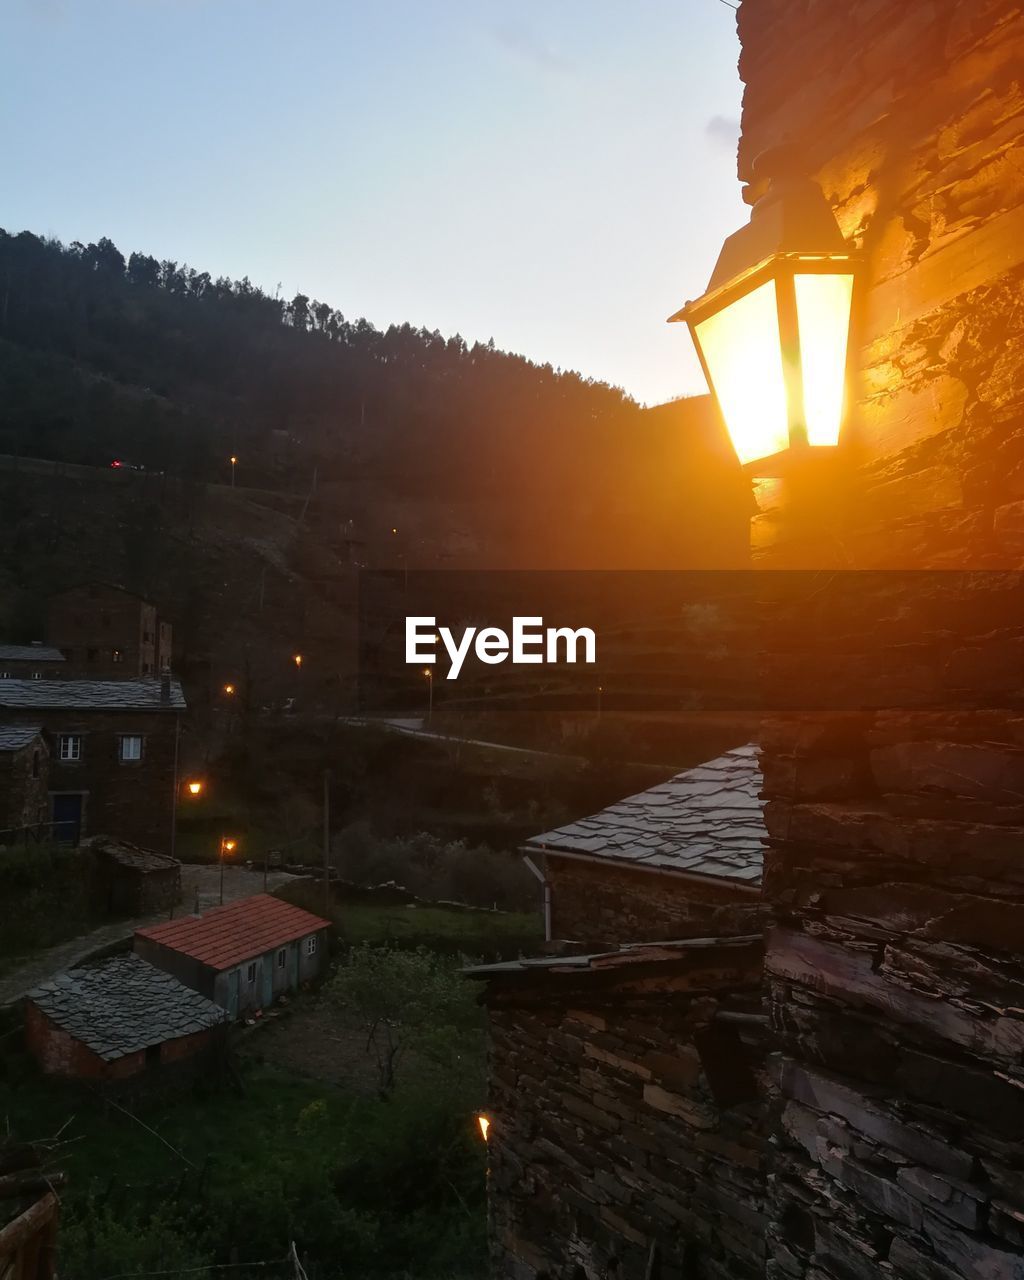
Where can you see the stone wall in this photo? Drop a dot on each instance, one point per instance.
(24, 776)
(912, 118)
(132, 799)
(627, 1136)
(597, 902)
(895, 868)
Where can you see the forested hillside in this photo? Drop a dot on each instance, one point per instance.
(170, 369)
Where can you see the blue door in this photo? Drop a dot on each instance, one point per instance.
(67, 817)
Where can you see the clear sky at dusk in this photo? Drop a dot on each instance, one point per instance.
(557, 174)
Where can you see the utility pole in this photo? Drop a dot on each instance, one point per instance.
(327, 842)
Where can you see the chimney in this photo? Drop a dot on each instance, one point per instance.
(165, 689)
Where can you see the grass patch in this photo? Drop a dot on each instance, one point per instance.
(363, 1186)
(446, 929)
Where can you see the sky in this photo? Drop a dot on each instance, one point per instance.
(556, 174)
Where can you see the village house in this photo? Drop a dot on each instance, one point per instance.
(627, 1135)
(129, 881)
(892, 883)
(24, 780)
(113, 1020)
(108, 633)
(35, 661)
(112, 753)
(244, 955)
(679, 860)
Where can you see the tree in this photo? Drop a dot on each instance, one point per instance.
(408, 1002)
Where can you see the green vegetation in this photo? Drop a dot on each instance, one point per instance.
(408, 1002)
(444, 929)
(364, 1185)
(433, 868)
(46, 898)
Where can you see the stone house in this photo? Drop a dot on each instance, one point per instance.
(130, 881)
(112, 752)
(244, 955)
(627, 1135)
(679, 860)
(893, 882)
(34, 661)
(24, 780)
(108, 633)
(113, 1020)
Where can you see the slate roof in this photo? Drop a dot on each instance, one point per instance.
(29, 653)
(707, 821)
(131, 856)
(629, 953)
(91, 695)
(232, 934)
(122, 1005)
(15, 736)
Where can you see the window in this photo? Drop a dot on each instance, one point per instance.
(117, 655)
(282, 958)
(37, 675)
(147, 668)
(130, 747)
(250, 973)
(5, 675)
(311, 945)
(70, 746)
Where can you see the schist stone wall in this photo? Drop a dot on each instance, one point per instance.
(627, 1136)
(598, 902)
(895, 867)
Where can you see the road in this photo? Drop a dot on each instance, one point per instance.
(200, 884)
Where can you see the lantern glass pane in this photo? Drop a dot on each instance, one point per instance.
(743, 355)
(823, 321)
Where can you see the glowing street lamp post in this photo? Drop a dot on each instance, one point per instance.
(234, 463)
(772, 329)
(428, 673)
(228, 844)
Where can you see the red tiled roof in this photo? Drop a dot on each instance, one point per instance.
(232, 934)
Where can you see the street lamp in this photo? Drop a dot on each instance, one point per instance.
(194, 787)
(297, 659)
(228, 844)
(234, 463)
(429, 674)
(772, 329)
(229, 689)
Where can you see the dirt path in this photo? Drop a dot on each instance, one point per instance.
(198, 884)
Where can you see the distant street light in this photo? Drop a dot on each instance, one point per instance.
(297, 659)
(484, 1125)
(195, 787)
(429, 673)
(229, 689)
(234, 462)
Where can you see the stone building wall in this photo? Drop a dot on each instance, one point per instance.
(24, 776)
(895, 868)
(911, 115)
(627, 1135)
(106, 633)
(596, 902)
